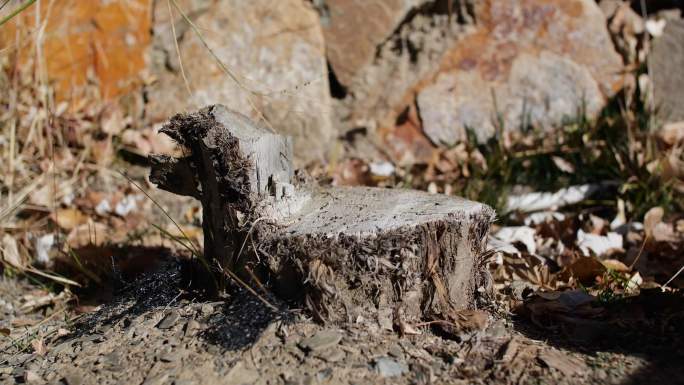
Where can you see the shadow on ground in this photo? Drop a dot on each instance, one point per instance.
(237, 321)
(649, 326)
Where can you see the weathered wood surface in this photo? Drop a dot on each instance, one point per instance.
(396, 255)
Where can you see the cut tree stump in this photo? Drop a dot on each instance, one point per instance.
(345, 252)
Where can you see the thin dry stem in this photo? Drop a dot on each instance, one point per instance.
(246, 286)
(175, 43)
(224, 68)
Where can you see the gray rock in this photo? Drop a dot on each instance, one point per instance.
(207, 309)
(560, 65)
(184, 382)
(284, 74)
(354, 29)
(396, 351)
(331, 355)
(169, 320)
(191, 327)
(324, 339)
(157, 379)
(72, 377)
(666, 61)
(171, 355)
(240, 374)
(388, 367)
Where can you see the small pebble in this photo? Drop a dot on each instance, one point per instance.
(322, 340)
(169, 320)
(388, 367)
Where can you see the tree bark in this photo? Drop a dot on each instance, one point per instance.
(391, 254)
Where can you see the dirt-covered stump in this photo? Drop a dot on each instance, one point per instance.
(345, 252)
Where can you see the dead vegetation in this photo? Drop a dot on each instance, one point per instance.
(71, 222)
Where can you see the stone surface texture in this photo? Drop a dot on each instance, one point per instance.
(241, 341)
(378, 86)
(100, 41)
(354, 29)
(276, 52)
(414, 74)
(531, 63)
(666, 63)
(418, 81)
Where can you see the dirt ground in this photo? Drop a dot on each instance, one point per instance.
(153, 332)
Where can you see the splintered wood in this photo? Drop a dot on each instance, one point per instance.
(344, 252)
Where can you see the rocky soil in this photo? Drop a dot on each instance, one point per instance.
(154, 332)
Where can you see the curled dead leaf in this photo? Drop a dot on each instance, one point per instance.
(614, 264)
(38, 346)
(69, 218)
(652, 218)
(584, 270)
(10, 252)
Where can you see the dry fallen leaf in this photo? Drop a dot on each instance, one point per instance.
(112, 120)
(614, 264)
(10, 252)
(38, 346)
(651, 219)
(69, 218)
(550, 307)
(598, 244)
(563, 164)
(584, 270)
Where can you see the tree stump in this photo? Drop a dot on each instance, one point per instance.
(345, 252)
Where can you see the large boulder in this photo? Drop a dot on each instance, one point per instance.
(354, 29)
(380, 50)
(531, 63)
(275, 51)
(666, 62)
(418, 73)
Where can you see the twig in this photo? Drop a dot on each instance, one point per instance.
(246, 286)
(223, 67)
(160, 208)
(175, 43)
(193, 250)
(254, 277)
(16, 11)
(428, 323)
(673, 277)
(249, 234)
(641, 250)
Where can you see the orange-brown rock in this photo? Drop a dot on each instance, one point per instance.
(531, 63)
(354, 29)
(103, 41)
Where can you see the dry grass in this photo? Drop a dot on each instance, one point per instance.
(55, 152)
